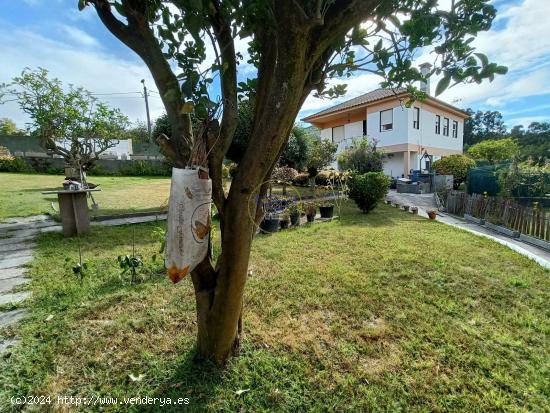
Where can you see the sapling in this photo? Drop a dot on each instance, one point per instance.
(132, 262)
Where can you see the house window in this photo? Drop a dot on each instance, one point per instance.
(416, 118)
(364, 127)
(446, 126)
(338, 134)
(455, 129)
(386, 120)
(438, 124)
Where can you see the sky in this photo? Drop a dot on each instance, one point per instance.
(76, 48)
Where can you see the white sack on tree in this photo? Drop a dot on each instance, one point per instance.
(188, 223)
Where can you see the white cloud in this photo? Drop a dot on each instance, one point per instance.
(91, 68)
(79, 36)
(526, 121)
(356, 86)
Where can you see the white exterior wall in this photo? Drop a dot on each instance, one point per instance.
(395, 136)
(326, 134)
(426, 136)
(393, 165)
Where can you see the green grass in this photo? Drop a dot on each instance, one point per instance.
(377, 312)
(20, 194)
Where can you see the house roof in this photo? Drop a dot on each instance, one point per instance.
(371, 97)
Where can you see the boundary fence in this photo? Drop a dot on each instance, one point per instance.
(531, 221)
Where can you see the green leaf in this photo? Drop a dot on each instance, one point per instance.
(81, 4)
(484, 59)
(501, 70)
(443, 84)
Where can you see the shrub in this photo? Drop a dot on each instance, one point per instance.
(495, 151)
(331, 177)
(145, 168)
(15, 165)
(232, 168)
(302, 179)
(225, 171)
(284, 174)
(455, 165)
(362, 158)
(368, 189)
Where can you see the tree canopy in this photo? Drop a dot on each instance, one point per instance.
(483, 125)
(71, 122)
(9, 128)
(495, 151)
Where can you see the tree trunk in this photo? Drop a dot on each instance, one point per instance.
(219, 292)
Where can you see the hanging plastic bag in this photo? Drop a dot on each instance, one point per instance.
(188, 223)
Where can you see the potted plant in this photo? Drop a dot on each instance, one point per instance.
(311, 210)
(284, 220)
(270, 223)
(326, 209)
(432, 214)
(294, 211)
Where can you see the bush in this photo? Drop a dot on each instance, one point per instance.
(144, 168)
(302, 179)
(232, 169)
(455, 165)
(330, 177)
(361, 158)
(368, 189)
(284, 174)
(495, 151)
(15, 165)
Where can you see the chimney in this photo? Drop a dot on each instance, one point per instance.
(425, 69)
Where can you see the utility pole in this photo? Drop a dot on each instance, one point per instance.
(147, 110)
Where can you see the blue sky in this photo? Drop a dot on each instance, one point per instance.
(75, 47)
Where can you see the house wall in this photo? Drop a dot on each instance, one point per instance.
(426, 136)
(393, 164)
(391, 137)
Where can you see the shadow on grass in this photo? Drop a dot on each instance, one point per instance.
(195, 379)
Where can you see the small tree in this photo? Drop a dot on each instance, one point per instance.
(284, 175)
(162, 126)
(368, 189)
(495, 151)
(297, 149)
(138, 132)
(69, 123)
(9, 128)
(321, 154)
(455, 165)
(362, 157)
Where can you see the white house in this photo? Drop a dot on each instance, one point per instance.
(405, 134)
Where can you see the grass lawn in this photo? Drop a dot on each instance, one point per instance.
(377, 312)
(20, 194)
